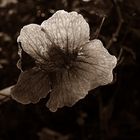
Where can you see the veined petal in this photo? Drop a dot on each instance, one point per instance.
(34, 42)
(99, 63)
(67, 29)
(68, 89)
(32, 85)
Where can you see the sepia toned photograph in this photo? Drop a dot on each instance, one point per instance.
(69, 70)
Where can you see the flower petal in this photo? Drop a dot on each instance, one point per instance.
(32, 85)
(68, 89)
(99, 63)
(67, 29)
(34, 42)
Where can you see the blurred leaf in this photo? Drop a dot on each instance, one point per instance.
(5, 37)
(48, 134)
(4, 3)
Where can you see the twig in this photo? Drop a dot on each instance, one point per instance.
(99, 28)
(5, 94)
(116, 33)
(120, 58)
(2, 94)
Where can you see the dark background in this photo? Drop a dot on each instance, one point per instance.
(109, 112)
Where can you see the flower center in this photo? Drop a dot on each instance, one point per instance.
(60, 59)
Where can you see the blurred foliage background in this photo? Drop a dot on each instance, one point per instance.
(109, 112)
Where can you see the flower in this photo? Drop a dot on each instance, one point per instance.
(67, 63)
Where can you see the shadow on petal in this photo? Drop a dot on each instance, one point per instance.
(32, 85)
(70, 88)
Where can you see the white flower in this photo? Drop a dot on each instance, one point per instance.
(68, 64)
